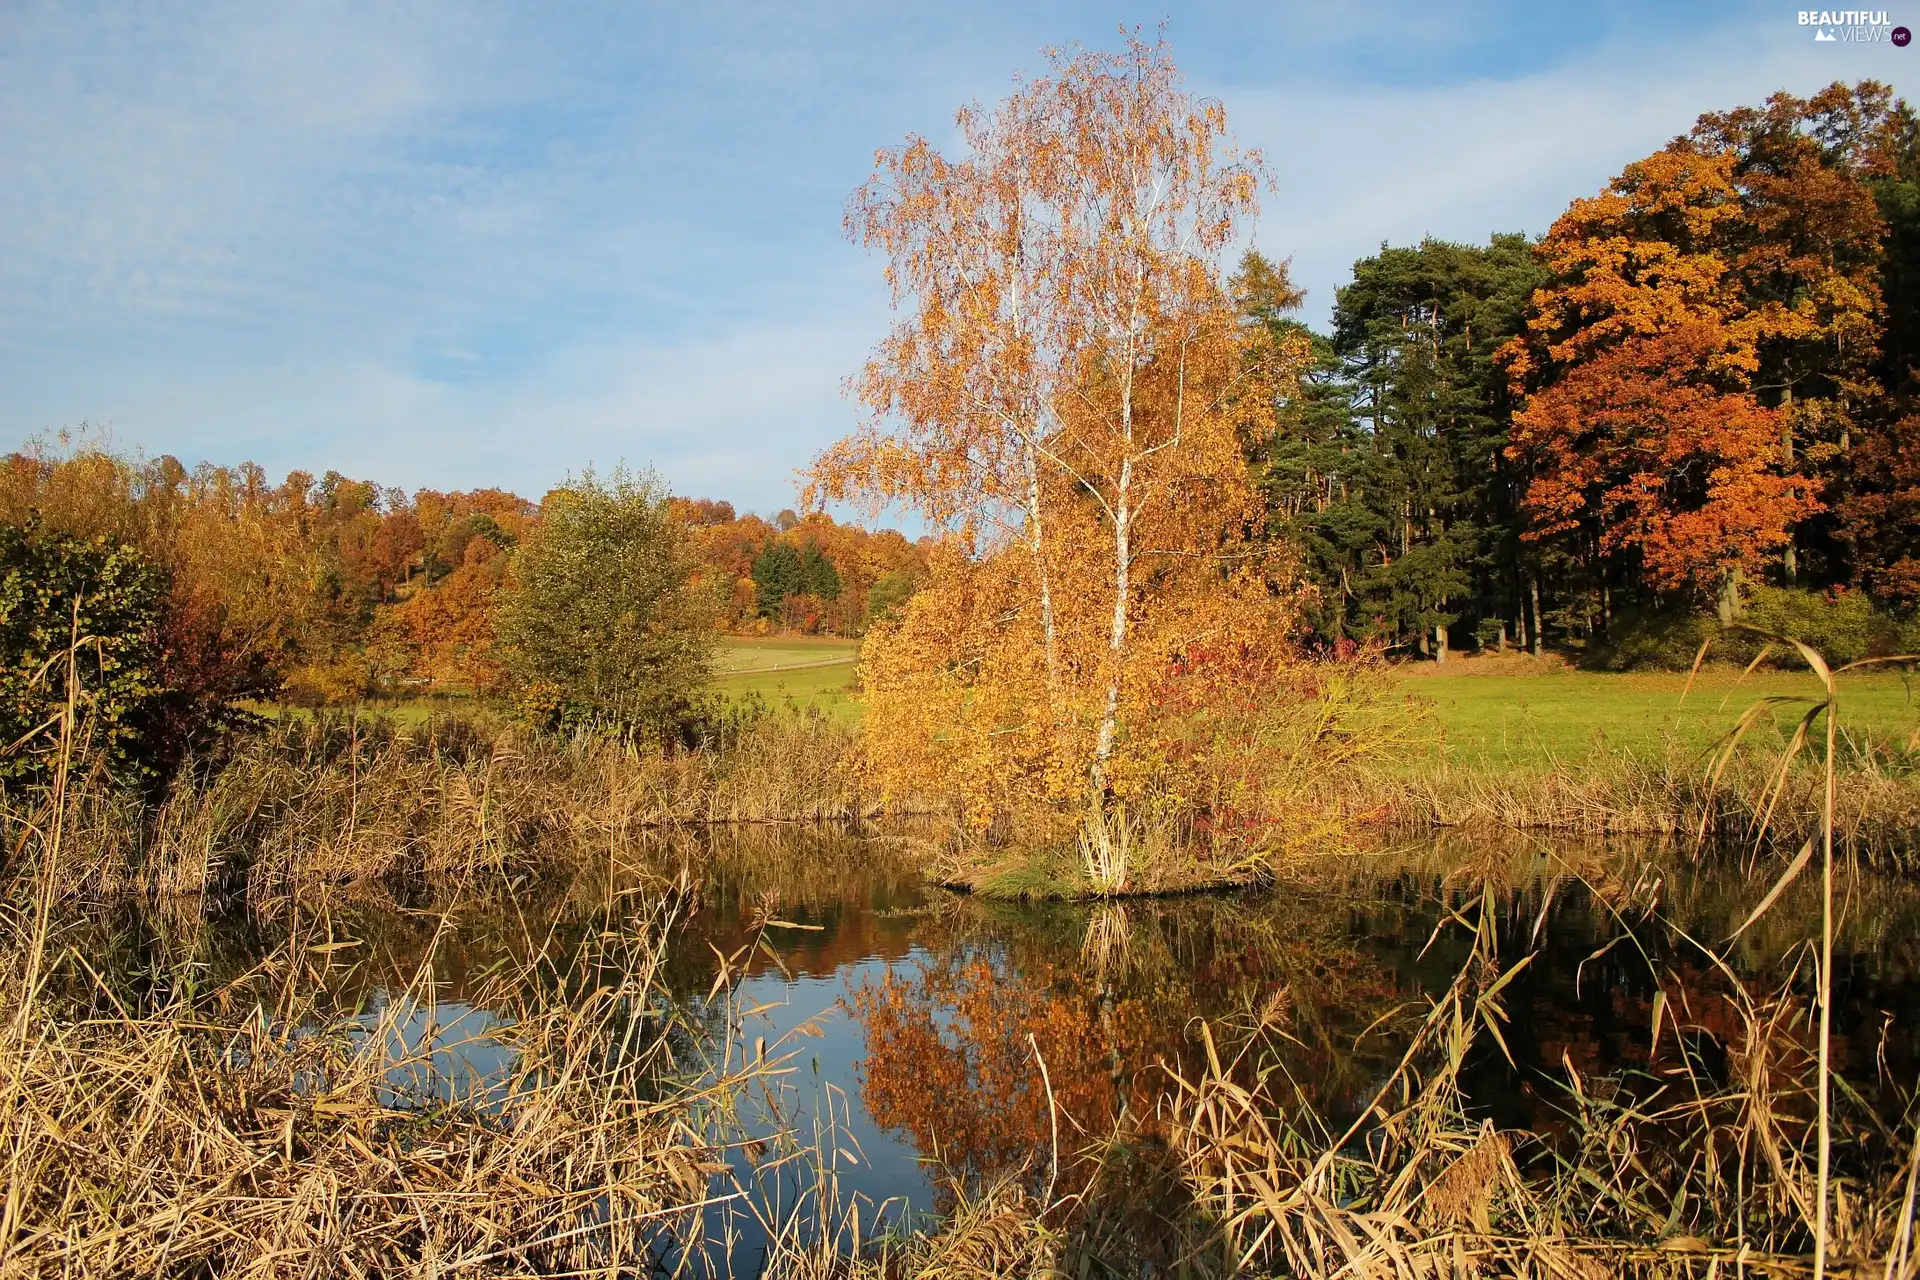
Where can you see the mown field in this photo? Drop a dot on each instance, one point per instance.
(810, 671)
(1501, 712)
(1516, 712)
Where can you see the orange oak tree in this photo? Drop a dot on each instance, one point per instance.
(1805, 251)
(1644, 442)
(1716, 318)
(1068, 389)
(1643, 434)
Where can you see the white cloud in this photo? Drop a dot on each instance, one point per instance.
(1357, 164)
(456, 244)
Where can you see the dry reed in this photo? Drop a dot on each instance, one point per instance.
(325, 802)
(246, 1129)
(1669, 1173)
(1877, 806)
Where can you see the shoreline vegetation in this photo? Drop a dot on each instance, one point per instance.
(323, 799)
(272, 1132)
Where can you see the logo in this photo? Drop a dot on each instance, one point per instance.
(1853, 26)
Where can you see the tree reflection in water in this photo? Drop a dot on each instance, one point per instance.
(954, 1041)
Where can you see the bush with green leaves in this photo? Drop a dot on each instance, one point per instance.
(603, 622)
(1842, 626)
(887, 595)
(102, 602)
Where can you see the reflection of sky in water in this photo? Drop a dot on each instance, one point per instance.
(889, 1168)
(1344, 955)
(441, 1053)
(448, 1052)
(818, 1102)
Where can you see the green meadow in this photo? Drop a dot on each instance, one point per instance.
(809, 671)
(1511, 712)
(1507, 715)
(1501, 713)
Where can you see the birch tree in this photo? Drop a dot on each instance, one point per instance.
(1068, 381)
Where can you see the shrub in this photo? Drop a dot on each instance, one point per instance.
(104, 602)
(600, 621)
(888, 593)
(1845, 626)
(1651, 640)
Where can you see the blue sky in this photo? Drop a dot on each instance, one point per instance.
(469, 244)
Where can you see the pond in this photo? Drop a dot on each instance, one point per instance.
(925, 1040)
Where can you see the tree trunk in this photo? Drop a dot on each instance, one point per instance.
(1038, 549)
(1439, 642)
(1728, 605)
(1117, 637)
(1791, 560)
(1533, 596)
(1503, 635)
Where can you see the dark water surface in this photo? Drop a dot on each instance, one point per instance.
(912, 1023)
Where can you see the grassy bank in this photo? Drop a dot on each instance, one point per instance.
(1525, 743)
(1502, 713)
(1492, 713)
(1480, 714)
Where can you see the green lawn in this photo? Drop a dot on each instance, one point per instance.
(1499, 713)
(1569, 715)
(1512, 715)
(811, 672)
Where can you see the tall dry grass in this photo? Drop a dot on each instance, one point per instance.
(331, 801)
(151, 1125)
(1740, 1150)
(1704, 1166)
(246, 1129)
(154, 1126)
(1876, 800)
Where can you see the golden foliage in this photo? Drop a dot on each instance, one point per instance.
(1069, 391)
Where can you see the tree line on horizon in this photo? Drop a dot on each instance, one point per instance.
(325, 590)
(1697, 388)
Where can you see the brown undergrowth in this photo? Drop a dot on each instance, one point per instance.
(327, 802)
(1877, 803)
(253, 1128)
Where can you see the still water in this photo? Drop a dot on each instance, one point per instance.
(910, 1025)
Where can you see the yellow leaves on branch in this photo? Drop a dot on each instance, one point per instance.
(1068, 391)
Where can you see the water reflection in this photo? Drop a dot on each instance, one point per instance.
(911, 1026)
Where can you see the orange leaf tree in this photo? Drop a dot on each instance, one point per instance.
(1665, 463)
(1736, 274)
(1067, 390)
(1643, 436)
